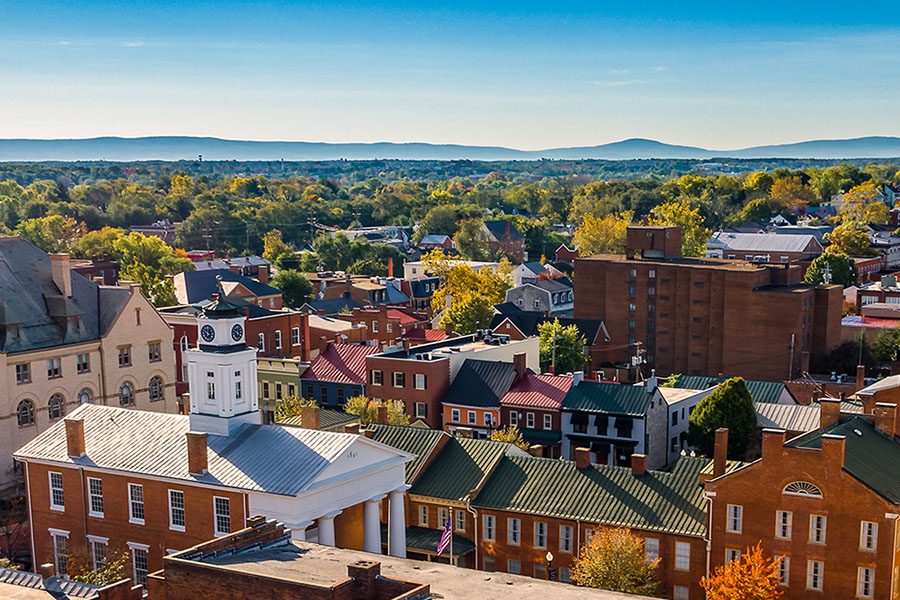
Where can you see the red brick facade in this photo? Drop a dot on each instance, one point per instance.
(384, 324)
(437, 382)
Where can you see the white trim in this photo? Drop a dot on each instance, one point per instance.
(59, 532)
(97, 539)
(173, 527)
(91, 512)
(131, 518)
(62, 489)
(137, 546)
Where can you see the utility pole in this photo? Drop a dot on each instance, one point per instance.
(791, 363)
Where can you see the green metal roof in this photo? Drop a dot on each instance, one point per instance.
(611, 398)
(665, 501)
(426, 540)
(459, 467)
(764, 392)
(869, 455)
(329, 419)
(541, 435)
(418, 441)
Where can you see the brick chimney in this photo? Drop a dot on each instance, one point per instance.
(833, 449)
(46, 570)
(262, 274)
(720, 451)
(582, 458)
(520, 364)
(886, 418)
(390, 267)
(75, 437)
(369, 433)
(772, 442)
(829, 411)
(364, 574)
(639, 464)
(198, 461)
(383, 414)
(61, 273)
(536, 450)
(310, 417)
(860, 377)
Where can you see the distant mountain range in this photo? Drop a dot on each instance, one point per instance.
(172, 148)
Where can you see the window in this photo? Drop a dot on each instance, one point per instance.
(783, 524)
(784, 571)
(565, 538)
(565, 575)
(420, 381)
(529, 420)
(154, 352)
(443, 517)
(176, 510)
(548, 421)
(488, 419)
(25, 413)
(868, 535)
(735, 518)
(184, 343)
(266, 389)
(377, 377)
(682, 556)
(540, 534)
(423, 515)
(537, 303)
(126, 394)
(56, 407)
(460, 516)
(389, 327)
(421, 410)
(222, 513)
(95, 497)
(156, 388)
(238, 393)
(817, 524)
(470, 417)
(261, 342)
(98, 551)
(184, 373)
(57, 497)
(513, 566)
(514, 531)
(732, 555)
(513, 417)
(83, 363)
(651, 549)
(374, 326)
(540, 571)
(865, 582)
(278, 339)
(211, 390)
(399, 379)
(488, 527)
(60, 551)
(54, 368)
(674, 418)
(680, 592)
(802, 488)
(295, 336)
(139, 562)
(125, 356)
(814, 572)
(136, 503)
(23, 373)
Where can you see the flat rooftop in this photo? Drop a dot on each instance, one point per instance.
(472, 343)
(682, 261)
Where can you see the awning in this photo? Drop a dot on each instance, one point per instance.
(541, 436)
(425, 541)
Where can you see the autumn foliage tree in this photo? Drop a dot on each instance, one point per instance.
(603, 235)
(510, 434)
(367, 410)
(752, 577)
(465, 296)
(614, 560)
(681, 212)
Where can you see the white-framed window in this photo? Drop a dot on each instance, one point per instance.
(377, 377)
(513, 566)
(95, 497)
(238, 390)
(278, 339)
(184, 344)
(470, 417)
(443, 516)
(784, 524)
(460, 518)
(421, 410)
(540, 534)
(865, 582)
(651, 549)
(420, 381)
(731, 555)
(682, 556)
(139, 562)
(488, 527)
(398, 378)
(681, 592)
(83, 363)
(514, 531)
(136, 503)
(513, 418)
(57, 496)
(784, 571)
(817, 525)
(565, 538)
(488, 419)
(176, 510)
(99, 547)
(868, 535)
(389, 327)
(54, 368)
(374, 326)
(815, 570)
(222, 515)
(60, 540)
(735, 518)
(548, 421)
(454, 415)
(295, 336)
(423, 515)
(261, 341)
(529, 420)
(211, 390)
(184, 373)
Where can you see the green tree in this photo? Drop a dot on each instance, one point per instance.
(444, 219)
(53, 233)
(115, 569)
(291, 406)
(752, 577)
(844, 359)
(840, 268)
(367, 410)
(274, 248)
(98, 244)
(755, 211)
(563, 344)
(615, 560)
(694, 233)
(511, 435)
(150, 262)
(850, 238)
(729, 405)
(886, 344)
(470, 240)
(603, 235)
(295, 287)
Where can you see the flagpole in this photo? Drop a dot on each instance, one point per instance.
(452, 524)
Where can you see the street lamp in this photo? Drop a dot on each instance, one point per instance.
(549, 557)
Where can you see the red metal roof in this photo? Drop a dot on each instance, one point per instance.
(538, 391)
(341, 363)
(405, 318)
(429, 335)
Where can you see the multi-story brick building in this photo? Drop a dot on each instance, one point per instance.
(533, 405)
(473, 400)
(827, 503)
(385, 324)
(338, 373)
(705, 316)
(763, 247)
(66, 341)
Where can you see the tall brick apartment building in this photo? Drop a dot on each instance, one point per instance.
(705, 316)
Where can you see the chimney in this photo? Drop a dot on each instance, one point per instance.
(639, 464)
(406, 345)
(369, 433)
(365, 575)
(309, 417)
(833, 448)
(772, 442)
(652, 382)
(582, 458)
(464, 432)
(75, 437)
(519, 364)
(536, 450)
(829, 411)
(720, 452)
(198, 461)
(47, 570)
(886, 418)
(262, 274)
(61, 274)
(860, 377)
(382, 414)
(577, 377)
(390, 269)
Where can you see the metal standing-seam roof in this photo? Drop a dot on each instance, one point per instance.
(608, 398)
(765, 392)
(762, 242)
(459, 467)
(260, 458)
(538, 391)
(481, 383)
(665, 501)
(418, 441)
(790, 417)
(341, 363)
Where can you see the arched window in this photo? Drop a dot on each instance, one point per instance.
(85, 396)
(803, 488)
(156, 388)
(56, 408)
(25, 413)
(126, 394)
(184, 342)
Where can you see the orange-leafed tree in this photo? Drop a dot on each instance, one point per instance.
(751, 577)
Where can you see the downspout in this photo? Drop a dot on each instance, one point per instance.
(708, 537)
(84, 510)
(30, 515)
(474, 528)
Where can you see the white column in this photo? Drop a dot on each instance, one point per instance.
(397, 523)
(298, 530)
(326, 528)
(372, 525)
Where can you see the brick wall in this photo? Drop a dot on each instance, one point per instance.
(438, 382)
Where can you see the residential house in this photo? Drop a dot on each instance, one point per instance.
(432, 241)
(163, 229)
(567, 255)
(473, 400)
(328, 330)
(338, 373)
(680, 403)
(420, 292)
(385, 324)
(547, 296)
(197, 286)
(413, 270)
(251, 266)
(532, 272)
(503, 237)
(762, 392)
(533, 405)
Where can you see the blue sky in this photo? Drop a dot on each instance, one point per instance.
(520, 74)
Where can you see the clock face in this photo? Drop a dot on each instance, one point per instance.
(207, 333)
(237, 332)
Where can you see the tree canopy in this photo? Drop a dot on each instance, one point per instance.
(295, 287)
(562, 347)
(835, 266)
(615, 560)
(729, 405)
(751, 577)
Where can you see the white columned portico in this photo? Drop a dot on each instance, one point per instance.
(298, 530)
(326, 528)
(397, 523)
(372, 524)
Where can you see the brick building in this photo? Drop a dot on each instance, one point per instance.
(533, 405)
(763, 247)
(385, 324)
(197, 286)
(704, 316)
(473, 400)
(338, 373)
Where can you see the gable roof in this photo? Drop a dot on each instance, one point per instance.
(665, 501)
(421, 442)
(763, 242)
(538, 391)
(503, 231)
(527, 321)
(237, 261)
(554, 285)
(790, 417)
(766, 392)
(341, 363)
(481, 383)
(459, 467)
(331, 306)
(434, 238)
(404, 317)
(608, 398)
(196, 286)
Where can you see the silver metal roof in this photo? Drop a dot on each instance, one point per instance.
(790, 417)
(761, 242)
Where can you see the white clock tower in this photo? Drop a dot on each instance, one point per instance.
(222, 371)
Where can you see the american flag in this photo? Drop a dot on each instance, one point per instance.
(445, 537)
